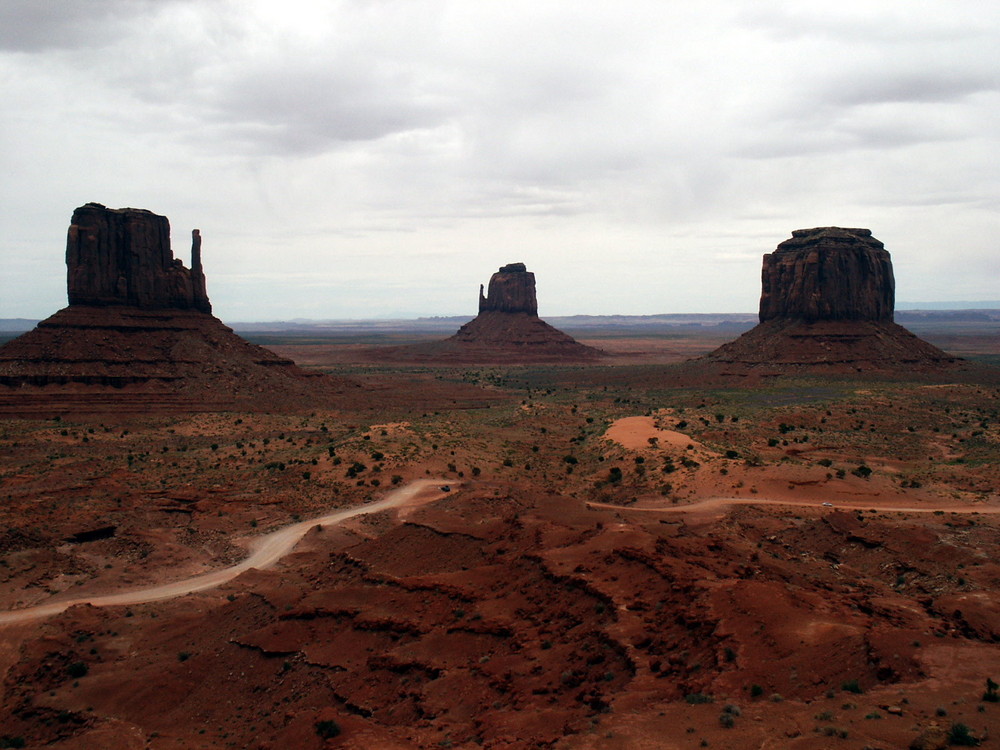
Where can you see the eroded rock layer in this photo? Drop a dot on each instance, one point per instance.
(87, 358)
(507, 329)
(123, 257)
(827, 302)
(138, 335)
(511, 290)
(828, 273)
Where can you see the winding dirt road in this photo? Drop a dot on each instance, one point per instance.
(266, 550)
(713, 503)
(270, 548)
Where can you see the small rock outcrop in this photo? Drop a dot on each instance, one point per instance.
(138, 335)
(123, 257)
(511, 290)
(507, 329)
(827, 302)
(828, 273)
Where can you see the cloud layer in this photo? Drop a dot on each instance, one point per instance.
(379, 157)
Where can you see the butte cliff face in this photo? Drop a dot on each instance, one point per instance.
(827, 274)
(507, 329)
(511, 290)
(138, 334)
(123, 257)
(827, 302)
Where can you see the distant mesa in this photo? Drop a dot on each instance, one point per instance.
(138, 334)
(507, 329)
(827, 301)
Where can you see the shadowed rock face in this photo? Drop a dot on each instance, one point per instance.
(511, 290)
(507, 329)
(827, 302)
(828, 273)
(138, 335)
(123, 257)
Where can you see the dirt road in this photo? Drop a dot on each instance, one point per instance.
(713, 503)
(270, 548)
(266, 550)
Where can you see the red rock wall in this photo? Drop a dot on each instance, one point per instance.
(512, 290)
(828, 273)
(123, 257)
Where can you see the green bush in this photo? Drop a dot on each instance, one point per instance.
(991, 695)
(696, 698)
(862, 471)
(851, 686)
(961, 735)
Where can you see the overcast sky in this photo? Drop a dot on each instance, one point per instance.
(381, 158)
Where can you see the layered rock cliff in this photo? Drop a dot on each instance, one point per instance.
(138, 335)
(826, 303)
(507, 329)
(123, 257)
(511, 290)
(828, 273)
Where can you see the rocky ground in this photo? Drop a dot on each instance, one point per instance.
(622, 560)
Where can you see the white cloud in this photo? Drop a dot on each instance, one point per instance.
(639, 156)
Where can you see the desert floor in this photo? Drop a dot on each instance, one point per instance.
(615, 563)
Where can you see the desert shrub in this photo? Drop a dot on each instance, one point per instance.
(756, 691)
(327, 729)
(377, 455)
(961, 735)
(732, 454)
(991, 695)
(696, 698)
(825, 462)
(355, 468)
(77, 669)
(832, 732)
(851, 686)
(862, 471)
(614, 474)
(727, 720)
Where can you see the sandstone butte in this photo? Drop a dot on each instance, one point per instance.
(138, 334)
(827, 301)
(507, 329)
